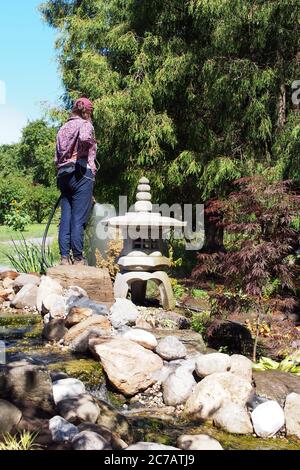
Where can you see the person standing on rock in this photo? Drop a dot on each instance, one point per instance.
(75, 159)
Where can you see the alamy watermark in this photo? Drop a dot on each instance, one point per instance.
(2, 92)
(2, 353)
(151, 226)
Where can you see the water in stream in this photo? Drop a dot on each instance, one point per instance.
(22, 337)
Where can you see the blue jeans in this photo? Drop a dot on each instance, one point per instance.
(76, 203)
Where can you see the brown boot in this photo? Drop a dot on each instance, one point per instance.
(65, 261)
(80, 262)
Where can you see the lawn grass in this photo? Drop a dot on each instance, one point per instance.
(32, 231)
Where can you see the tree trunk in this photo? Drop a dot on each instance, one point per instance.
(281, 108)
(214, 229)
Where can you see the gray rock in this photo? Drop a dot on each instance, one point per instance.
(267, 418)
(242, 366)
(275, 385)
(141, 337)
(77, 315)
(81, 408)
(178, 386)
(55, 305)
(88, 440)
(55, 330)
(26, 297)
(81, 343)
(61, 430)
(208, 364)
(24, 280)
(213, 391)
(123, 312)
(171, 348)
(128, 365)
(115, 421)
(113, 440)
(10, 416)
(47, 286)
(233, 418)
(24, 382)
(150, 446)
(292, 414)
(198, 442)
(85, 302)
(67, 388)
(95, 321)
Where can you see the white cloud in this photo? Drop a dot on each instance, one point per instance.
(12, 122)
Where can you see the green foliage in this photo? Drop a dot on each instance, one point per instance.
(24, 441)
(200, 294)
(187, 92)
(27, 257)
(39, 202)
(36, 152)
(178, 289)
(289, 364)
(200, 321)
(17, 218)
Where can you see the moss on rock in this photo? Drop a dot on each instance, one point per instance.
(87, 370)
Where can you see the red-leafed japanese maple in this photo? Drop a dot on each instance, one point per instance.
(258, 225)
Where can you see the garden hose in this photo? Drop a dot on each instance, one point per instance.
(46, 232)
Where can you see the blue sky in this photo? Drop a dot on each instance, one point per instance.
(28, 66)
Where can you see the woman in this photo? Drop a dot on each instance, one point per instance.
(76, 150)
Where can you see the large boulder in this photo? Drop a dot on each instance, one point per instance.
(213, 391)
(24, 280)
(54, 330)
(268, 419)
(81, 408)
(198, 442)
(96, 282)
(67, 388)
(241, 366)
(178, 386)
(10, 416)
(95, 321)
(233, 418)
(128, 365)
(170, 348)
(77, 315)
(89, 440)
(123, 312)
(275, 384)
(208, 364)
(141, 337)
(47, 286)
(292, 414)
(23, 382)
(61, 430)
(26, 297)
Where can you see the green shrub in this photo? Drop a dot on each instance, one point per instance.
(199, 321)
(17, 218)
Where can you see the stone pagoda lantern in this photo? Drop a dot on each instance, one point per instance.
(142, 258)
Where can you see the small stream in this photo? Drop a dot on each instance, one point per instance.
(23, 340)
